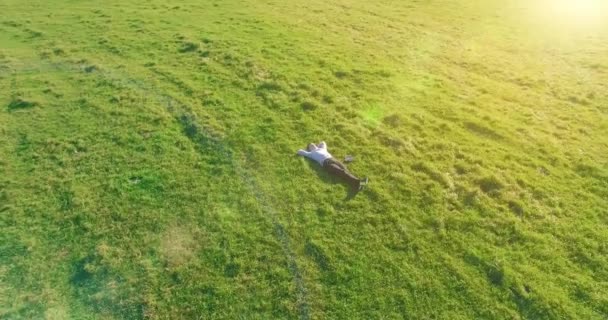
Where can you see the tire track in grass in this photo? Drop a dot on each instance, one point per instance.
(281, 233)
(203, 139)
(198, 135)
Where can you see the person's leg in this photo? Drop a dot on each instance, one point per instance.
(340, 164)
(363, 181)
(339, 170)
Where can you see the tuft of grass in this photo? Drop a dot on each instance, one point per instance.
(188, 47)
(490, 184)
(19, 104)
(394, 120)
(341, 74)
(309, 105)
(516, 207)
(433, 173)
(89, 69)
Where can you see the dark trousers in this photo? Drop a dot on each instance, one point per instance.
(337, 169)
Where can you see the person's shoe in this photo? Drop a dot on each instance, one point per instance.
(363, 183)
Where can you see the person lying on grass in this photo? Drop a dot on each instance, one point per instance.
(332, 166)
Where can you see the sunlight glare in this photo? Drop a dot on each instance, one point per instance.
(579, 10)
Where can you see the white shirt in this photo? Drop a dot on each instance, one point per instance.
(318, 153)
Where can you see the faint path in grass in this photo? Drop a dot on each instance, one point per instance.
(281, 233)
(198, 135)
(205, 141)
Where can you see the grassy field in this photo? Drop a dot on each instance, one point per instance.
(148, 167)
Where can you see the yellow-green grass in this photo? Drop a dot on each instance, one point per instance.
(148, 167)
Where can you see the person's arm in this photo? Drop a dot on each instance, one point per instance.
(323, 145)
(303, 153)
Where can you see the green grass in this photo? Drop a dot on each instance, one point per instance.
(148, 167)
